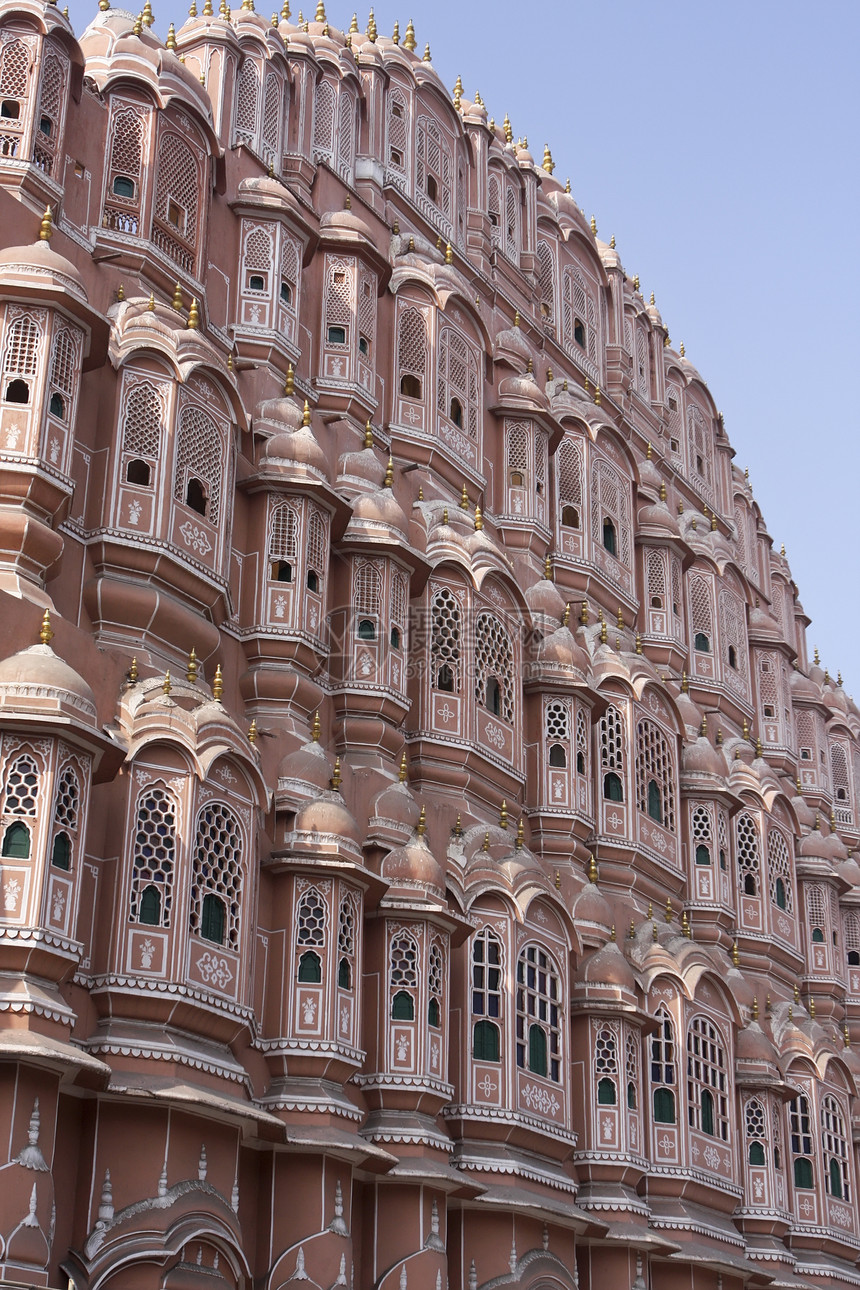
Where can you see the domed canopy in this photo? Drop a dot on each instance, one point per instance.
(608, 967)
(414, 866)
(45, 267)
(328, 815)
(37, 681)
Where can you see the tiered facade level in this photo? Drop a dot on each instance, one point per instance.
(425, 847)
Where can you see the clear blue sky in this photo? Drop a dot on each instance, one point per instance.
(719, 144)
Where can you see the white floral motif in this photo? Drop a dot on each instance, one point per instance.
(344, 1020)
(435, 1053)
(402, 1047)
(712, 1157)
(13, 434)
(11, 892)
(309, 1011)
(495, 734)
(606, 1127)
(665, 1144)
(214, 970)
(54, 450)
(195, 537)
(540, 1099)
(280, 606)
(58, 904)
(134, 512)
(147, 953)
(487, 1086)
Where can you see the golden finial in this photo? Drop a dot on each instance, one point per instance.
(409, 39)
(191, 670)
(682, 351)
(464, 499)
(796, 993)
(620, 619)
(583, 613)
(252, 731)
(395, 35)
(335, 780)
(668, 909)
(503, 815)
(662, 490)
(368, 435)
(816, 660)
(618, 643)
(104, 5)
(548, 163)
(427, 58)
(746, 729)
(274, 20)
(411, 244)
(290, 382)
(839, 679)
(798, 786)
(832, 822)
(612, 242)
(567, 185)
(133, 673)
(372, 33)
(508, 129)
(713, 523)
(421, 826)
(516, 317)
(306, 414)
(636, 282)
(603, 635)
(547, 567)
(46, 228)
(650, 909)
(171, 37)
(782, 550)
(353, 26)
(736, 954)
(319, 16)
(521, 835)
(790, 1011)
(147, 15)
(177, 298)
(767, 1005)
(549, 375)
(597, 396)
(811, 1008)
(402, 774)
(207, 11)
(230, 362)
(388, 481)
(846, 1035)
(631, 935)
(166, 684)
(685, 925)
(638, 643)
(478, 100)
(655, 937)
(592, 868)
(46, 634)
(217, 684)
(479, 518)
(681, 508)
(120, 293)
(193, 317)
(316, 728)
(485, 845)
(611, 932)
(758, 748)
(285, 10)
(755, 1008)
(594, 226)
(449, 254)
(137, 28)
(565, 618)
(458, 828)
(817, 822)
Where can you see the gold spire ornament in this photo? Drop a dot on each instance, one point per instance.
(565, 618)
(508, 129)
(133, 673)
(669, 910)
(368, 435)
(403, 772)
(290, 382)
(485, 845)
(479, 519)
(421, 826)
(147, 16)
(638, 643)
(736, 954)
(796, 993)
(171, 37)
(319, 16)
(166, 684)
(409, 41)
(177, 298)
(548, 163)
(449, 254)
(427, 58)
(594, 226)
(316, 728)
(592, 868)
(217, 684)
(137, 29)
(372, 32)
(46, 634)
(547, 568)
(395, 35)
(191, 669)
(252, 731)
(503, 815)
(464, 499)
(520, 839)
(685, 926)
(193, 317)
(306, 414)
(353, 26)
(631, 935)
(755, 1008)
(335, 780)
(603, 634)
(583, 613)
(388, 481)
(46, 228)
(120, 293)
(620, 619)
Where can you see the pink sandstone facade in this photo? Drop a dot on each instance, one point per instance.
(425, 846)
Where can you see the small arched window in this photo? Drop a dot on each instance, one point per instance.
(664, 1106)
(410, 386)
(395, 638)
(703, 855)
(456, 412)
(195, 496)
(403, 1006)
(557, 755)
(17, 392)
(756, 1153)
(613, 790)
(61, 852)
(779, 893)
(344, 975)
(655, 801)
(570, 517)
(310, 968)
(610, 540)
(138, 472)
(606, 1095)
(10, 110)
(537, 1050)
(493, 697)
(149, 909)
(434, 1013)
(854, 958)
(123, 186)
(16, 842)
(817, 936)
(367, 630)
(313, 581)
(445, 679)
(803, 1173)
(212, 919)
(701, 643)
(57, 406)
(256, 282)
(485, 1041)
(733, 657)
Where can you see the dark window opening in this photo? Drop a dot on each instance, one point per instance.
(17, 392)
(175, 215)
(515, 479)
(557, 755)
(149, 912)
(817, 936)
(344, 975)
(609, 539)
(61, 852)
(779, 893)
(123, 186)
(138, 472)
(395, 638)
(493, 697)
(445, 679)
(456, 412)
(854, 958)
(664, 1106)
(537, 1050)
(579, 332)
(733, 657)
(613, 790)
(756, 1153)
(403, 1006)
(750, 885)
(213, 921)
(432, 188)
(337, 335)
(701, 643)
(367, 630)
(256, 282)
(703, 855)
(282, 571)
(396, 156)
(673, 443)
(363, 346)
(16, 842)
(841, 795)
(195, 496)
(580, 763)
(313, 580)
(655, 801)
(434, 1014)
(768, 710)
(803, 1173)
(410, 386)
(46, 126)
(286, 293)
(10, 110)
(485, 1042)
(656, 602)
(310, 968)
(56, 406)
(631, 1095)
(700, 465)
(570, 517)
(707, 1112)
(606, 1092)
(835, 1178)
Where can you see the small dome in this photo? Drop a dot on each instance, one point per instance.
(18, 263)
(608, 967)
(414, 866)
(396, 804)
(545, 600)
(650, 479)
(658, 521)
(363, 465)
(803, 688)
(296, 448)
(754, 1045)
(560, 650)
(308, 765)
(702, 758)
(591, 906)
(345, 221)
(523, 391)
(376, 509)
(511, 346)
(36, 680)
(762, 625)
(327, 814)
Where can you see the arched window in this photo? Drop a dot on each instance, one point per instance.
(580, 324)
(733, 632)
(703, 855)
(613, 789)
(435, 985)
(815, 897)
(195, 496)
(177, 197)
(403, 976)
(749, 858)
(610, 539)
(485, 1041)
(142, 425)
(125, 157)
(538, 1014)
(707, 1080)
(606, 1066)
(655, 774)
(754, 1125)
(346, 933)
(445, 641)
(310, 968)
(21, 358)
(398, 134)
(800, 1132)
(283, 542)
(494, 688)
(546, 283)
(606, 1094)
(701, 643)
(65, 366)
(557, 755)
(311, 919)
(212, 919)
(570, 497)
(61, 851)
(216, 870)
(779, 870)
(16, 842)
(487, 975)
(434, 169)
(317, 558)
(200, 463)
(138, 472)
(458, 389)
(153, 858)
(663, 1070)
(412, 351)
(834, 1141)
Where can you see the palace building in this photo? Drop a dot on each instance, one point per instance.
(426, 848)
